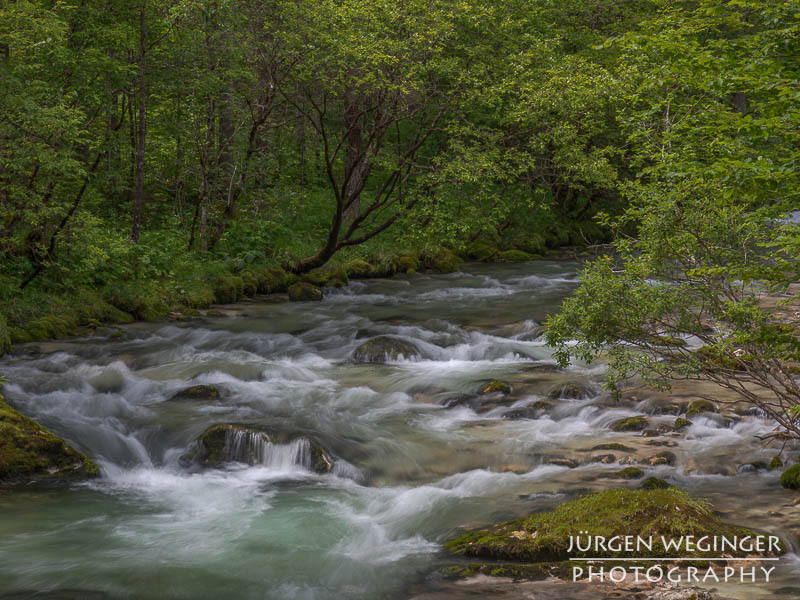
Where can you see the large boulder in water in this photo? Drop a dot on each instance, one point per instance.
(228, 442)
(29, 452)
(198, 392)
(383, 349)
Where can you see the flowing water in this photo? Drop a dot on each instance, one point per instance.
(413, 461)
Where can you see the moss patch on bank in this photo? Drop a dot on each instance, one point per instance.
(545, 537)
(29, 452)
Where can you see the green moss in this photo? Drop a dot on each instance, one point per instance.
(545, 537)
(514, 256)
(227, 287)
(667, 340)
(30, 452)
(680, 423)
(304, 292)
(441, 260)
(790, 478)
(630, 473)
(611, 446)
(654, 483)
(358, 269)
(496, 387)
(700, 406)
(407, 263)
(630, 424)
(775, 463)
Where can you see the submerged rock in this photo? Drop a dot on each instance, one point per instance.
(304, 292)
(227, 442)
(545, 537)
(573, 390)
(29, 452)
(384, 349)
(496, 387)
(198, 392)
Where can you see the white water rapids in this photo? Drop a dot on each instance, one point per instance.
(412, 465)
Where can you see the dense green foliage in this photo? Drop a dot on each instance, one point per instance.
(169, 142)
(716, 140)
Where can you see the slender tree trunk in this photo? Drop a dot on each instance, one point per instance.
(138, 198)
(355, 157)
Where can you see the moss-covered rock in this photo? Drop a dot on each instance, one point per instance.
(545, 537)
(775, 463)
(700, 406)
(573, 390)
(610, 446)
(440, 260)
(198, 392)
(654, 483)
(681, 423)
(480, 250)
(271, 280)
(29, 452)
(630, 424)
(383, 349)
(408, 263)
(790, 478)
(514, 256)
(358, 268)
(630, 473)
(229, 442)
(304, 292)
(227, 287)
(496, 387)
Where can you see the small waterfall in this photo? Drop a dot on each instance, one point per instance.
(255, 448)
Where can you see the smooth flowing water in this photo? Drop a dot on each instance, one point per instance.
(412, 464)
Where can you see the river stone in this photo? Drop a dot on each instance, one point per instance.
(700, 406)
(630, 473)
(573, 390)
(662, 458)
(496, 387)
(630, 424)
(304, 292)
(605, 459)
(198, 392)
(383, 349)
(29, 452)
(213, 448)
(521, 412)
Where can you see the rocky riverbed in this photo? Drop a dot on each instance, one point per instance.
(329, 449)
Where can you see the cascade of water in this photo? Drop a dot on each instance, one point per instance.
(255, 448)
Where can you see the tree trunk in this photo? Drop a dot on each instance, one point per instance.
(138, 198)
(355, 157)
